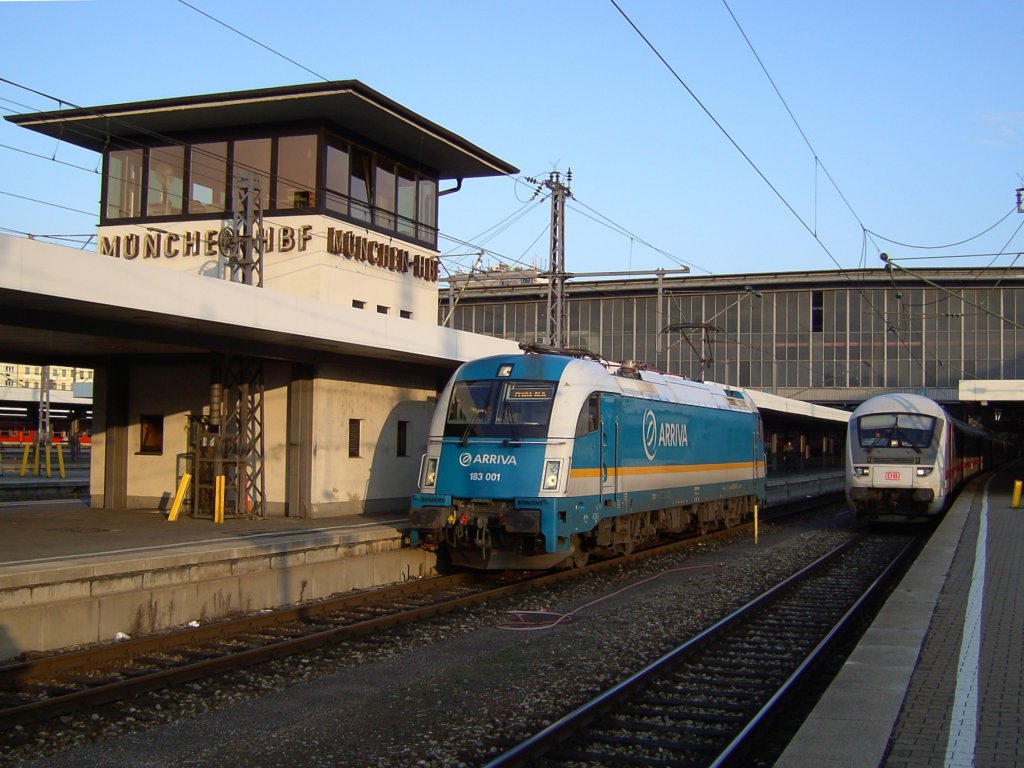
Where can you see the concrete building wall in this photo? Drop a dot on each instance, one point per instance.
(176, 391)
(97, 455)
(170, 391)
(298, 261)
(378, 479)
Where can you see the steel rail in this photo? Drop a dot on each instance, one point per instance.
(17, 677)
(840, 627)
(583, 716)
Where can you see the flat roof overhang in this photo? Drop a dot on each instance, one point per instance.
(349, 104)
(766, 401)
(62, 305)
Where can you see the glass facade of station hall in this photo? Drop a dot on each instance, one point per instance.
(820, 336)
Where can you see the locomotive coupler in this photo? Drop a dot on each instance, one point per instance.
(483, 538)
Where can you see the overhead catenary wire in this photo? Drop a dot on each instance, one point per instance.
(253, 40)
(321, 76)
(753, 165)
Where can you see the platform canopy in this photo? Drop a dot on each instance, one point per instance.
(347, 104)
(786, 405)
(997, 390)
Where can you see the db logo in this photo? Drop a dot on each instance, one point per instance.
(892, 475)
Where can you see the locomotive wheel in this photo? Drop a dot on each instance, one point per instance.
(632, 524)
(579, 556)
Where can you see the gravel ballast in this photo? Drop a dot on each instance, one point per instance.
(448, 692)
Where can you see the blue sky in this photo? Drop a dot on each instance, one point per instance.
(909, 121)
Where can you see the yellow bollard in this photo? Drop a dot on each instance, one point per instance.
(60, 460)
(218, 502)
(24, 460)
(179, 497)
(47, 448)
(1016, 494)
(755, 523)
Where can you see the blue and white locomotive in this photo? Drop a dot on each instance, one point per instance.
(537, 460)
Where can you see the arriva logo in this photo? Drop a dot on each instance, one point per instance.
(466, 459)
(650, 431)
(669, 435)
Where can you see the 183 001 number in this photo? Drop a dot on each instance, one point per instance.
(490, 477)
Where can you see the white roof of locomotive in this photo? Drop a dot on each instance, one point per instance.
(651, 385)
(899, 402)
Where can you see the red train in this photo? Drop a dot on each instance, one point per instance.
(15, 431)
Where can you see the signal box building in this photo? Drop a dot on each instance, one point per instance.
(262, 302)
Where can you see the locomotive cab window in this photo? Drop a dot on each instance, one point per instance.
(500, 409)
(891, 430)
(590, 416)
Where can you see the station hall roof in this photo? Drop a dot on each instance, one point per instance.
(349, 104)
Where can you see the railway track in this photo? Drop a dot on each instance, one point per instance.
(42, 688)
(45, 687)
(706, 702)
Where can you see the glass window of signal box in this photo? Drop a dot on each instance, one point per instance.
(253, 156)
(208, 186)
(166, 174)
(124, 184)
(296, 172)
(304, 172)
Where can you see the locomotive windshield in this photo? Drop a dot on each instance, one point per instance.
(895, 430)
(499, 409)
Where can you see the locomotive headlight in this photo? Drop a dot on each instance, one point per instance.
(429, 476)
(861, 471)
(924, 471)
(552, 474)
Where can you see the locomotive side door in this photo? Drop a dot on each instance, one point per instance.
(609, 448)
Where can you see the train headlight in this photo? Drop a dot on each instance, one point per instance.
(552, 474)
(428, 478)
(861, 471)
(924, 471)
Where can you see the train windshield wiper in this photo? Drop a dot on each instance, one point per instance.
(464, 440)
(511, 419)
(906, 440)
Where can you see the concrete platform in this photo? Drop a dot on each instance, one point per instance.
(70, 574)
(938, 679)
(790, 487)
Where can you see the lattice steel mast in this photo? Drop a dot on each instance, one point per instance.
(557, 323)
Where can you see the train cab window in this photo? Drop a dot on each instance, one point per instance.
(891, 430)
(500, 409)
(590, 416)
(151, 434)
